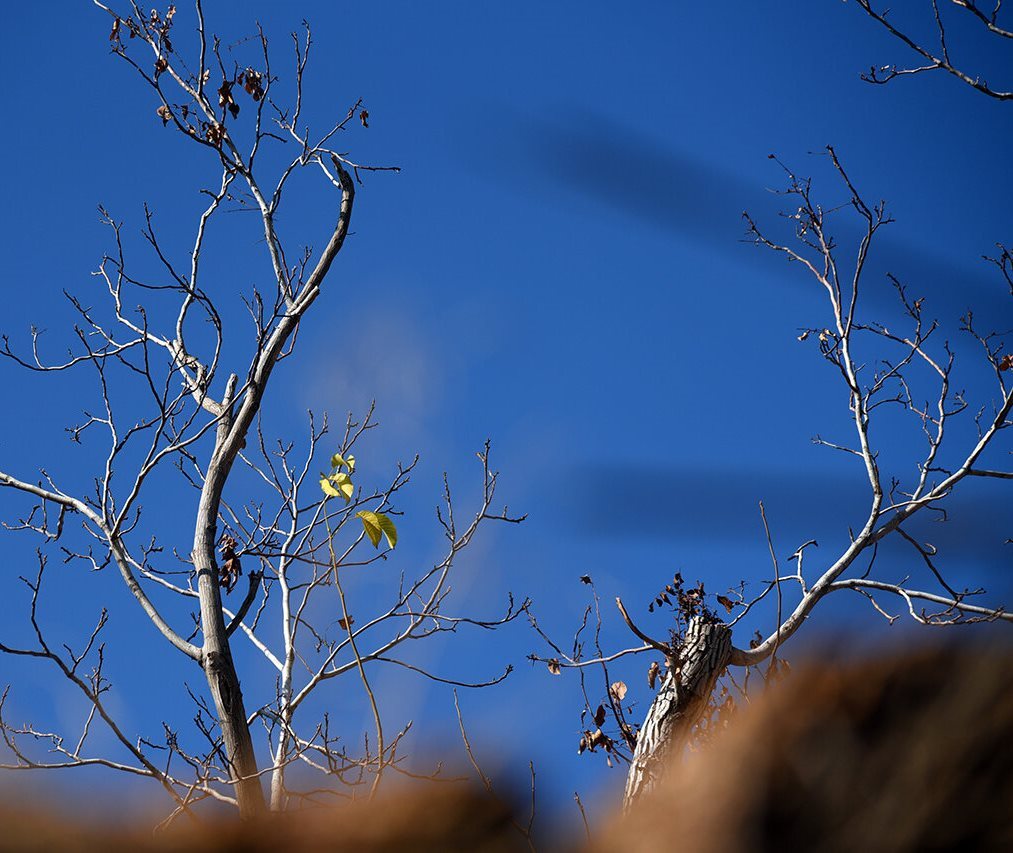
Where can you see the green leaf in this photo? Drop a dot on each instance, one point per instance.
(376, 524)
(338, 485)
(338, 461)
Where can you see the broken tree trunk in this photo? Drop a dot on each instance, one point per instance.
(683, 696)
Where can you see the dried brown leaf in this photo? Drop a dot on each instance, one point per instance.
(653, 671)
(618, 690)
(726, 603)
(364, 118)
(230, 569)
(554, 667)
(599, 716)
(214, 134)
(253, 83)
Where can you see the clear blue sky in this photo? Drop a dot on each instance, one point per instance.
(558, 267)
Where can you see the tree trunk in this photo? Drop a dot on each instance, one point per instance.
(683, 696)
(228, 698)
(217, 653)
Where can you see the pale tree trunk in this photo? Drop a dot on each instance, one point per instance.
(216, 658)
(684, 694)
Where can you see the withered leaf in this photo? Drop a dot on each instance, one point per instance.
(726, 603)
(582, 745)
(234, 109)
(252, 83)
(777, 670)
(652, 674)
(214, 134)
(160, 65)
(164, 113)
(364, 118)
(115, 34)
(618, 690)
(554, 667)
(1007, 362)
(599, 716)
(346, 623)
(757, 639)
(585, 579)
(230, 569)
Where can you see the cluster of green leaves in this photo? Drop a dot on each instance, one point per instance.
(338, 484)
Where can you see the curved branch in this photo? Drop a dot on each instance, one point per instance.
(988, 613)
(940, 62)
(119, 555)
(654, 644)
(244, 608)
(429, 675)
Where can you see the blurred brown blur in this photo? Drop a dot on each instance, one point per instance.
(906, 753)
(430, 819)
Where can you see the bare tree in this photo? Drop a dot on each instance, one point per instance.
(258, 503)
(879, 368)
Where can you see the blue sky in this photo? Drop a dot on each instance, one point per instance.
(559, 267)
